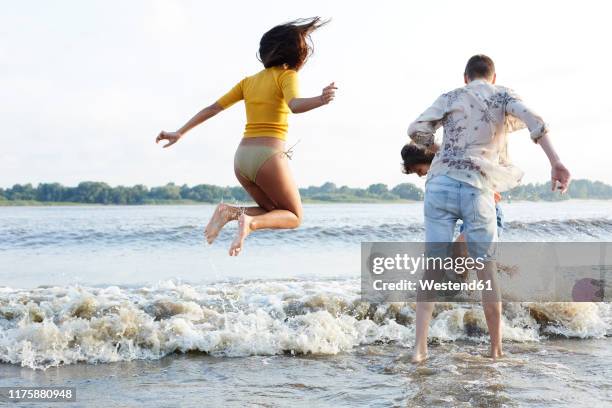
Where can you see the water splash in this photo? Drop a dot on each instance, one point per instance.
(52, 326)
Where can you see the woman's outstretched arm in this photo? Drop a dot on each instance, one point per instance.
(301, 105)
(200, 117)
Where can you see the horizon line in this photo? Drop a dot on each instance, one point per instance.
(238, 185)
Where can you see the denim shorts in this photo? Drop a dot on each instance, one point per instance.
(500, 221)
(448, 200)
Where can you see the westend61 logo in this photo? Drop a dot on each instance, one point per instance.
(509, 271)
(411, 265)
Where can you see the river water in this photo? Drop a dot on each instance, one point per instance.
(128, 305)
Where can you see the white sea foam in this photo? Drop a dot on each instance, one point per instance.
(51, 326)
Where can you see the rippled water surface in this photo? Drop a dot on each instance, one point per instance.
(129, 305)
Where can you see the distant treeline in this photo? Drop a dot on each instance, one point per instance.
(578, 189)
(101, 193)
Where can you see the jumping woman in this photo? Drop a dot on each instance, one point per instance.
(260, 162)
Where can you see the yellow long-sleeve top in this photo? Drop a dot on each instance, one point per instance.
(266, 95)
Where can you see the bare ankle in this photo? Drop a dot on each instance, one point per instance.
(496, 351)
(249, 221)
(420, 348)
(223, 212)
(419, 356)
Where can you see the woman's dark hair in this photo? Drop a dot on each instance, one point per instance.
(413, 154)
(289, 44)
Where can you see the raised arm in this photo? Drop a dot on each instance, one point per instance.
(234, 95)
(559, 174)
(301, 105)
(422, 131)
(289, 85)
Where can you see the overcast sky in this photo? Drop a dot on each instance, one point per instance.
(85, 86)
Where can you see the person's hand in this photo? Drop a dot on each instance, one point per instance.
(559, 177)
(329, 93)
(433, 148)
(171, 137)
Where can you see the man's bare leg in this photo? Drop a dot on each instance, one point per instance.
(492, 308)
(424, 311)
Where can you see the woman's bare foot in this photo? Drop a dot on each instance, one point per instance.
(221, 216)
(244, 229)
(419, 357)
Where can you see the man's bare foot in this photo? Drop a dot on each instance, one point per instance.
(419, 357)
(220, 217)
(244, 229)
(496, 353)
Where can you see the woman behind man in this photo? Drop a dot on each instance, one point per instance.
(417, 160)
(260, 162)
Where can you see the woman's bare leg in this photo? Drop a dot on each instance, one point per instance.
(225, 213)
(275, 181)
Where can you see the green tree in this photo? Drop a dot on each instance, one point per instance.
(21, 192)
(408, 191)
(138, 194)
(328, 188)
(240, 194)
(378, 189)
(168, 192)
(206, 193)
(91, 192)
(53, 192)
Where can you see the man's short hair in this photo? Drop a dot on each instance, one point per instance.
(480, 66)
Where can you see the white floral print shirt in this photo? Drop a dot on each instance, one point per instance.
(476, 119)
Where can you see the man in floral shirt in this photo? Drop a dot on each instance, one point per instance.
(469, 165)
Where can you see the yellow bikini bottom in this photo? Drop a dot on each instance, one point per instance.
(249, 159)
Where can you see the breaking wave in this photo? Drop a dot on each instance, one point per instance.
(51, 326)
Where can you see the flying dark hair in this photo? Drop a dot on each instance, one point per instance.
(413, 154)
(289, 44)
(480, 66)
